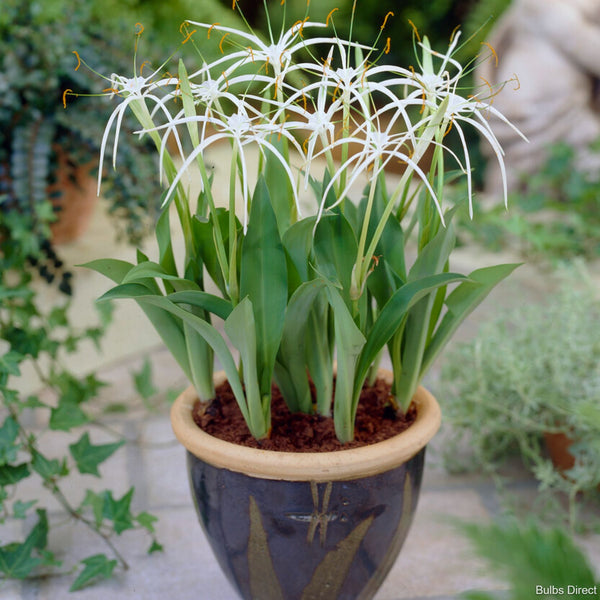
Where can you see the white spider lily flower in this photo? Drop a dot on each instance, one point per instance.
(277, 54)
(378, 149)
(132, 89)
(243, 131)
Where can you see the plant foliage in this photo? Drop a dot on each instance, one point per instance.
(532, 370)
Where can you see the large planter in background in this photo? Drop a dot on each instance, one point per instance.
(74, 198)
(306, 525)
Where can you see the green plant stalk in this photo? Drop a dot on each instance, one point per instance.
(362, 265)
(234, 291)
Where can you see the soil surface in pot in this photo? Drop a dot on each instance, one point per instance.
(376, 420)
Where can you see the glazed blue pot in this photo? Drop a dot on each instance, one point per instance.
(306, 526)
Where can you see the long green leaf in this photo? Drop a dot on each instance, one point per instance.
(290, 369)
(211, 335)
(392, 315)
(461, 303)
(349, 343)
(335, 249)
(263, 278)
(114, 269)
(240, 327)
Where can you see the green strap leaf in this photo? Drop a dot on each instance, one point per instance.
(263, 278)
(392, 315)
(349, 343)
(291, 373)
(335, 249)
(240, 327)
(114, 269)
(461, 302)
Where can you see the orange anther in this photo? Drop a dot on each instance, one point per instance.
(210, 29)
(329, 16)
(415, 30)
(139, 29)
(189, 35)
(78, 59)
(387, 46)
(65, 96)
(390, 14)
(493, 51)
(454, 33)
(221, 43)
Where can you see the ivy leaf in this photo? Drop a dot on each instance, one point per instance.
(20, 508)
(143, 381)
(11, 474)
(119, 511)
(96, 502)
(88, 456)
(9, 363)
(48, 468)
(66, 416)
(146, 520)
(95, 567)
(17, 560)
(155, 547)
(8, 435)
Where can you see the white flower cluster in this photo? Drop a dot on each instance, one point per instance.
(385, 113)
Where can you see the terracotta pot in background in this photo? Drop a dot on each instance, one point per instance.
(76, 203)
(558, 445)
(286, 525)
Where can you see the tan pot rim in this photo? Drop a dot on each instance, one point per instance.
(307, 466)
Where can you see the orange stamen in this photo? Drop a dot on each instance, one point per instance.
(301, 29)
(226, 81)
(449, 128)
(516, 80)
(189, 35)
(139, 29)
(111, 90)
(233, 4)
(304, 100)
(415, 30)
(146, 62)
(210, 29)
(329, 16)
(386, 50)
(390, 14)
(423, 106)
(492, 50)
(251, 53)
(65, 96)
(78, 59)
(221, 43)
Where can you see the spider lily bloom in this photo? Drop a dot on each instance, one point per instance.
(135, 91)
(439, 94)
(243, 130)
(277, 55)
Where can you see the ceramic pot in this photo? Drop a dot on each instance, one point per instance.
(76, 200)
(306, 526)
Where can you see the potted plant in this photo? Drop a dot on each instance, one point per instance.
(533, 379)
(47, 166)
(307, 300)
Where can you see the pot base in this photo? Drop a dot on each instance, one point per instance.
(284, 540)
